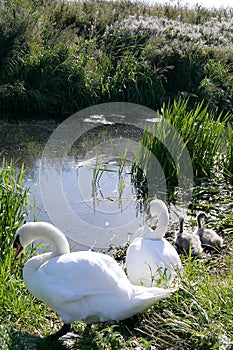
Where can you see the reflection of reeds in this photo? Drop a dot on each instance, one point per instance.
(99, 170)
(121, 178)
(97, 174)
(122, 163)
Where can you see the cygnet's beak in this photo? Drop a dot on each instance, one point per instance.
(18, 247)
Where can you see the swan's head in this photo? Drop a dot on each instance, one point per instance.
(23, 237)
(32, 231)
(157, 208)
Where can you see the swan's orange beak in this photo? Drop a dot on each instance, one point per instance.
(18, 247)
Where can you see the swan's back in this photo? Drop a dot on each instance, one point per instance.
(81, 272)
(91, 287)
(210, 238)
(150, 262)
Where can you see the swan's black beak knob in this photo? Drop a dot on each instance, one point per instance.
(18, 247)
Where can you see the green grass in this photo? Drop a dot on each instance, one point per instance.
(198, 316)
(228, 166)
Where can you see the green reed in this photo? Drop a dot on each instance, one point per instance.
(206, 136)
(14, 204)
(203, 132)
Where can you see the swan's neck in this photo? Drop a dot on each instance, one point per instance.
(161, 228)
(42, 230)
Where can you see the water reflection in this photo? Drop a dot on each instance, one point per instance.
(104, 203)
(83, 169)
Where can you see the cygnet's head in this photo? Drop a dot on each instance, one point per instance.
(201, 215)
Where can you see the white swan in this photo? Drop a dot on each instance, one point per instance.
(151, 259)
(83, 285)
(188, 242)
(209, 238)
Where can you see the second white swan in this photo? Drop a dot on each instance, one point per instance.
(151, 259)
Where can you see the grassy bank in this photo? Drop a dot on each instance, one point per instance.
(58, 57)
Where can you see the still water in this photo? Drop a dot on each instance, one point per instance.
(79, 173)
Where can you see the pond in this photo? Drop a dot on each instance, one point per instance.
(83, 184)
(80, 173)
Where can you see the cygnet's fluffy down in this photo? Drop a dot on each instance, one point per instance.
(209, 238)
(187, 242)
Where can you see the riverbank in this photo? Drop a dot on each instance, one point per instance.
(58, 58)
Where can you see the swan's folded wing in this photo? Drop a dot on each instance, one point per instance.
(75, 276)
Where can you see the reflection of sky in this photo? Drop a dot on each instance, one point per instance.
(100, 203)
(25, 143)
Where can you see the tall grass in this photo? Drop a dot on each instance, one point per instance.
(14, 204)
(206, 136)
(200, 131)
(228, 168)
(16, 305)
(203, 132)
(198, 317)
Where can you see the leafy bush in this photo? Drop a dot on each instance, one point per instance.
(61, 57)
